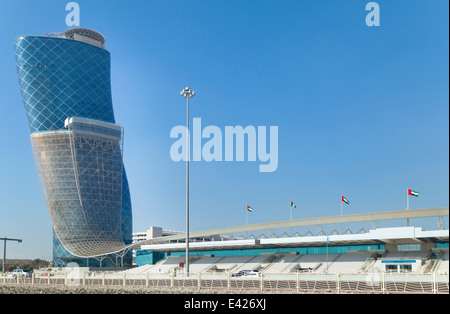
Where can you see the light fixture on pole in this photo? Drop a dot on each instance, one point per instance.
(4, 251)
(187, 93)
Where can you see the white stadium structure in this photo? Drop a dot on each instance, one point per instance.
(402, 248)
(406, 255)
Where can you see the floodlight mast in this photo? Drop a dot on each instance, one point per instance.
(187, 93)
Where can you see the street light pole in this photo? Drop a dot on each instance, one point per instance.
(4, 250)
(187, 93)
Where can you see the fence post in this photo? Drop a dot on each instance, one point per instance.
(146, 279)
(172, 283)
(434, 284)
(32, 279)
(48, 278)
(297, 283)
(338, 285)
(65, 279)
(383, 283)
(199, 283)
(103, 278)
(84, 278)
(228, 281)
(124, 279)
(261, 282)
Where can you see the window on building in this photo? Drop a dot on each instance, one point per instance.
(406, 268)
(392, 268)
(409, 247)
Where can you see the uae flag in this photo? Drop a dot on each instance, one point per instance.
(292, 204)
(249, 208)
(413, 193)
(346, 201)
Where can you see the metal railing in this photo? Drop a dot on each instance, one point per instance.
(297, 282)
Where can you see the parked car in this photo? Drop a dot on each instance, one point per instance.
(251, 273)
(238, 274)
(21, 273)
(247, 273)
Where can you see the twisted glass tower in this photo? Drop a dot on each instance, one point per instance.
(65, 84)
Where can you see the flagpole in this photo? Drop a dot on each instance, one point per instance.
(342, 225)
(291, 217)
(246, 218)
(407, 199)
(407, 205)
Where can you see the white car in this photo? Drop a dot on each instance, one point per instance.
(251, 273)
(22, 273)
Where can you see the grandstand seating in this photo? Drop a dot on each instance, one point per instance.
(282, 263)
(353, 262)
(348, 263)
(251, 264)
(204, 264)
(232, 263)
(315, 263)
(165, 266)
(442, 265)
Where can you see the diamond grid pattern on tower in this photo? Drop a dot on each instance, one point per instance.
(81, 176)
(62, 78)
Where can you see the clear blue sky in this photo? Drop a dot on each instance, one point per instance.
(361, 111)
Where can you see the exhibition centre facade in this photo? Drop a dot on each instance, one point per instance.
(65, 83)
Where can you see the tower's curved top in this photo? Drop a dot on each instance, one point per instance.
(82, 34)
(86, 35)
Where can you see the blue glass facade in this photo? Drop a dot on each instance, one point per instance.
(144, 257)
(60, 78)
(304, 250)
